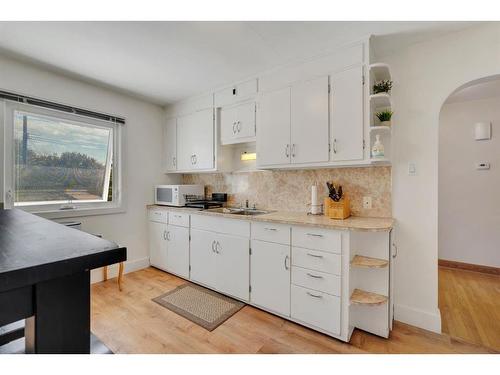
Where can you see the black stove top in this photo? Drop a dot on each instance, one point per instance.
(204, 204)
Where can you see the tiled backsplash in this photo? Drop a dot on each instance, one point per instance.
(291, 190)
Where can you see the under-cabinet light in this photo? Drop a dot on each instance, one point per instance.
(248, 156)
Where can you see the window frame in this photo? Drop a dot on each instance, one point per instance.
(76, 208)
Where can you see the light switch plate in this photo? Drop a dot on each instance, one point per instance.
(367, 203)
(412, 168)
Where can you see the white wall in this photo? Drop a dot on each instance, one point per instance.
(142, 149)
(424, 75)
(469, 199)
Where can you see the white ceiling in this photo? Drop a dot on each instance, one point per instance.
(484, 89)
(168, 61)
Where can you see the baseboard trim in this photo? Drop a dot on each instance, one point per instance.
(469, 267)
(418, 318)
(130, 266)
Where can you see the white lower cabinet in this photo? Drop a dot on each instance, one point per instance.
(221, 261)
(203, 257)
(316, 308)
(158, 244)
(270, 276)
(178, 250)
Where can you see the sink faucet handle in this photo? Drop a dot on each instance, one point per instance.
(246, 203)
(254, 206)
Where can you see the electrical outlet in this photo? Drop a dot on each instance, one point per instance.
(367, 203)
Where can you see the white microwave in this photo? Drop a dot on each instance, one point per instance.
(175, 195)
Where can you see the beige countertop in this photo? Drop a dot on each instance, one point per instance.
(298, 218)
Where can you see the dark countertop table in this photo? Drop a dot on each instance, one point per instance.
(45, 277)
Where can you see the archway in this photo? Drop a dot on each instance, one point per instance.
(469, 211)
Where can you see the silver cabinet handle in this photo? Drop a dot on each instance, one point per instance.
(238, 126)
(165, 235)
(395, 254)
(314, 276)
(314, 255)
(335, 145)
(287, 150)
(314, 295)
(168, 236)
(271, 229)
(286, 262)
(213, 246)
(192, 159)
(174, 161)
(195, 159)
(293, 150)
(218, 247)
(234, 127)
(315, 235)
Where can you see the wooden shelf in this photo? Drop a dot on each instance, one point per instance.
(381, 100)
(361, 297)
(380, 71)
(367, 262)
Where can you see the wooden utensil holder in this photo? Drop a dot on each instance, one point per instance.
(337, 210)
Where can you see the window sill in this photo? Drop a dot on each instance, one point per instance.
(78, 212)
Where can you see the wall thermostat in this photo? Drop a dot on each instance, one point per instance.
(482, 131)
(482, 165)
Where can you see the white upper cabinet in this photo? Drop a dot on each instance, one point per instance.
(347, 115)
(309, 121)
(238, 123)
(237, 93)
(195, 141)
(293, 124)
(273, 128)
(170, 145)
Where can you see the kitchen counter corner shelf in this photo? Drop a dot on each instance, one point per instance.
(361, 297)
(367, 262)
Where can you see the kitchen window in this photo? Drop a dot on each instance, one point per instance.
(61, 164)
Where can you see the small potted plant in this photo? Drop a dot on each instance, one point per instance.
(384, 117)
(382, 86)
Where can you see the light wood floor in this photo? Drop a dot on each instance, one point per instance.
(129, 322)
(470, 306)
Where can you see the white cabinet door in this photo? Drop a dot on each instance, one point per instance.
(185, 142)
(170, 145)
(245, 120)
(178, 250)
(158, 245)
(233, 265)
(273, 128)
(309, 121)
(347, 115)
(203, 257)
(238, 123)
(270, 276)
(228, 125)
(195, 141)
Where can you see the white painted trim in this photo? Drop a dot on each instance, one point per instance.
(430, 321)
(130, 266)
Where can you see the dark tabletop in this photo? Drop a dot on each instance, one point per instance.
(34, 249)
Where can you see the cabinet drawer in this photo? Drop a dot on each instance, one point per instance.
(277, 233)
(221, 225)
(158, 216)
(324, 282)
(316, 260)
(317, 239)
(318, 309)
(179, 219)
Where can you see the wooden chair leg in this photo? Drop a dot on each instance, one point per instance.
(105, 273)
(120, 276)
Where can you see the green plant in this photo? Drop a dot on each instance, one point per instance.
(384, 115)
(382, 86)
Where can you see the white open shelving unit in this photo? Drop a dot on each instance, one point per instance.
(378, 102)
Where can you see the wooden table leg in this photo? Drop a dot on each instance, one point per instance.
(120, 276)
(61, 323)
